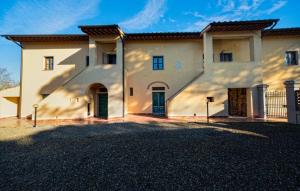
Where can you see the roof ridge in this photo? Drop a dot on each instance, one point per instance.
(178, 32)
(108, 25)
(245, 21)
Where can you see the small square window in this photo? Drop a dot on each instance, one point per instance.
(112, 59)
(158, 63)
(291, 58)
(225, 57)
(109, 58)
(131, 92)
(87, 61)
(89, 109)
(49, 62)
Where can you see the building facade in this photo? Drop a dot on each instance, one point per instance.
(108, 73)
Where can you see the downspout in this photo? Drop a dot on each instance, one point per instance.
(21, 77)
(274, 24)
(123, 74)
(9, 38)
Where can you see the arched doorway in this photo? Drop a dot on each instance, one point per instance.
(100, 100)
(158, 97)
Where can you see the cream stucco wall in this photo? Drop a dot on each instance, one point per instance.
(9, 102)
(182, 62)
(218, 77)
(275, 70)
(240, 49)
(255, 62)
(69, 59)
(70, 100)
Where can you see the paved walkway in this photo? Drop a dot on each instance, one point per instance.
(15, 122)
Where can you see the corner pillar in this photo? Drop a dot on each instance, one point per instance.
(207, 49)
(120, 64)
(261, 101)
(92, 52)
(292, 113)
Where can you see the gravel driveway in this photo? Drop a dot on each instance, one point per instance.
(155, 156)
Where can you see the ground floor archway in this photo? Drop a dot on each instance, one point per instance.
(99, 100)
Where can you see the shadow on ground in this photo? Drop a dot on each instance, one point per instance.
(154, 156)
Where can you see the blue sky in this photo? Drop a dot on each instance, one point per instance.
(63, 16)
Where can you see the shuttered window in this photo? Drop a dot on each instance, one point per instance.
(49, 62)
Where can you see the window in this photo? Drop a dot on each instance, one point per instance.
(131, 92)
(89, 109)
(158, 88)
(87, 61)
(49, 62)
(291, 58)
(158, 63)
(109, 58)
(225, 57)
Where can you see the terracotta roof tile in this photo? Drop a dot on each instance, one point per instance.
(240, 25)
(282, 32)
(163, 36)
(47, 38)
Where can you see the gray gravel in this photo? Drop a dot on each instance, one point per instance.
(129, 156)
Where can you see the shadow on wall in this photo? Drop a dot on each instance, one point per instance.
(276, 72)
(77, 60)
(71, 89)
(240, 75)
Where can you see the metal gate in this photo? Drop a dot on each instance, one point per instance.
(297, 92)
(276, 104)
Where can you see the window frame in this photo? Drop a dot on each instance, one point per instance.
(47, 65)
(156, 64)
(131, 91)
(106, 59)
(87, 61)
(223, 56)
(296, 58)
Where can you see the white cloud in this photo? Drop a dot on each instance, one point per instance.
(278, 5)
(226, 5)
(236, 10)
(51, 16)
(152, 12)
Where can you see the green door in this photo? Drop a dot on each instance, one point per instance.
(103, 104)
(158, 103)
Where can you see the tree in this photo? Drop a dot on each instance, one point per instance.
(5, 79)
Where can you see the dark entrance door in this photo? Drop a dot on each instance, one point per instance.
(237, 102)
(103, 105)
(158, 103)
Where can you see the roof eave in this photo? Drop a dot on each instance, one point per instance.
(240, 25)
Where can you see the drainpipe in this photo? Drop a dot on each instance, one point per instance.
(123, 74)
